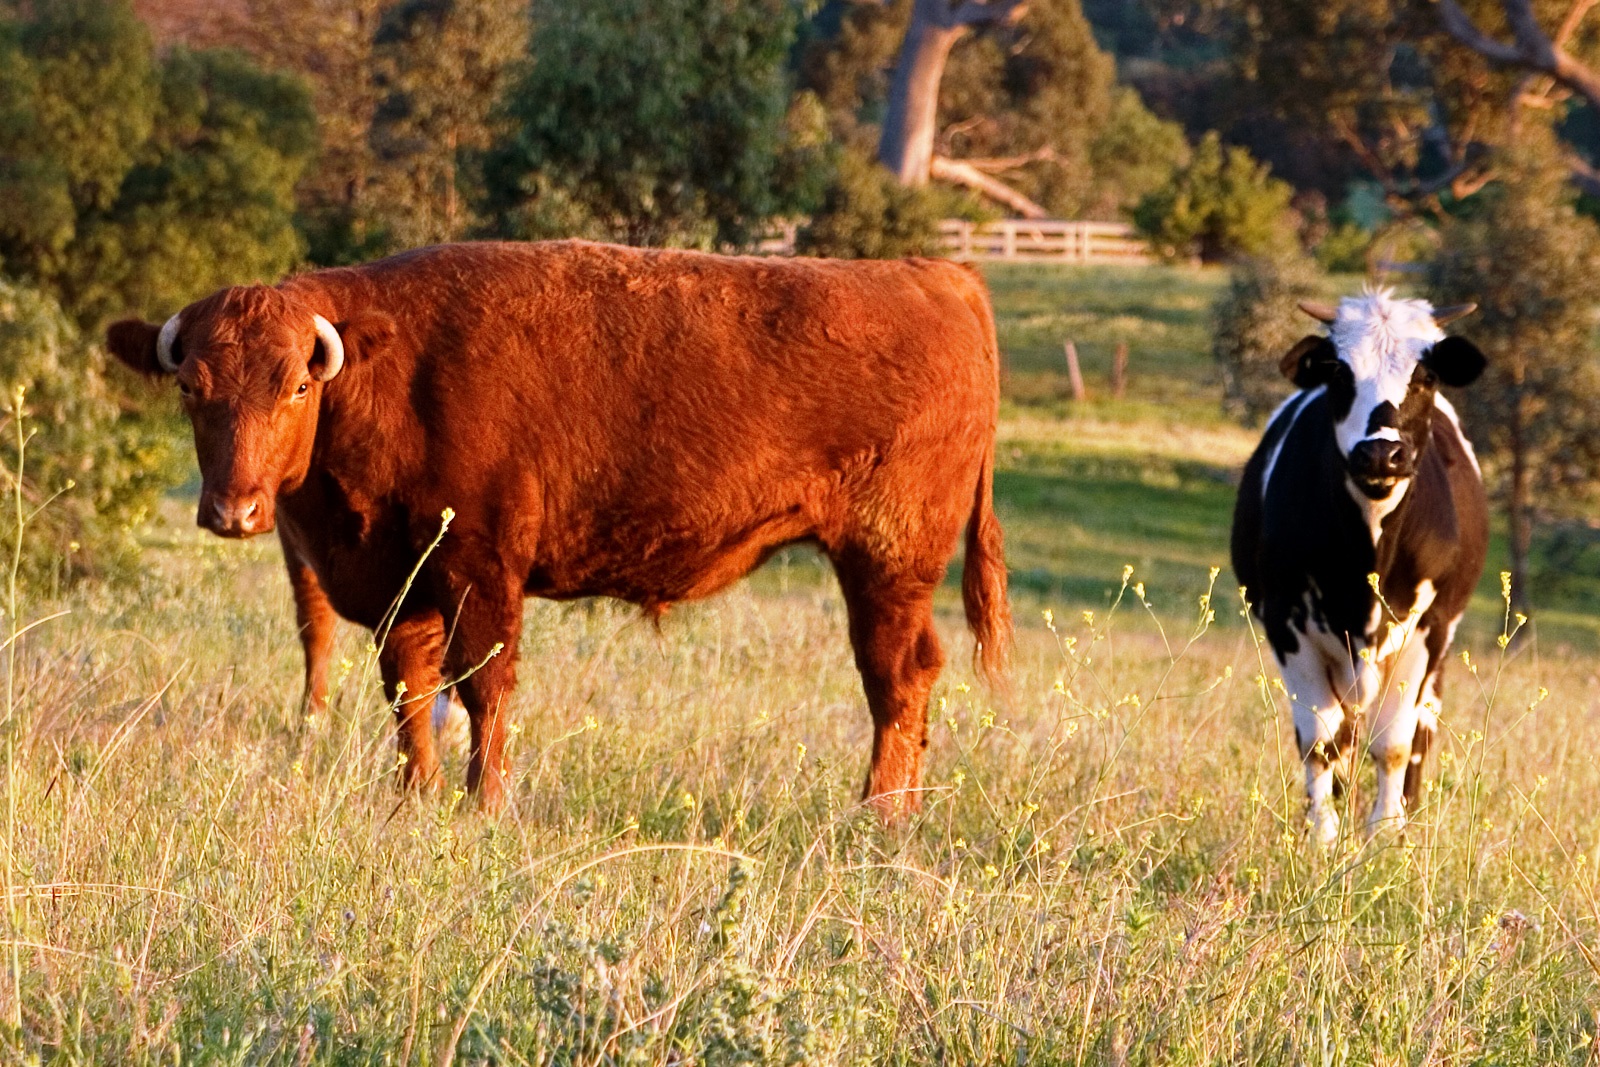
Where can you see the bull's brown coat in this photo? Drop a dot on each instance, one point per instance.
(603, 421)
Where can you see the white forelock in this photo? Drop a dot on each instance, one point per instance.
(1378, 332)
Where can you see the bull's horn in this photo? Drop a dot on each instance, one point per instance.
(334, 346)
(1445, 316)
(164, 342)
(1319, 311)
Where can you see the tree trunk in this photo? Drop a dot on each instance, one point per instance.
(912, 117)
(1520, 523)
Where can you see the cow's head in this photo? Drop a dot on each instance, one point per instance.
(251, 364)
(1382, 363)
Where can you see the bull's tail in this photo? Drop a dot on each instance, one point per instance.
(983, 579)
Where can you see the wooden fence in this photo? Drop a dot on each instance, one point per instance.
(1044, 239)
(1037, 240)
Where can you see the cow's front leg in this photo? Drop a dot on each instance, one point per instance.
(410, 659)
(1325, 733)
(316, 620)
(483, 656)
(1394, 729)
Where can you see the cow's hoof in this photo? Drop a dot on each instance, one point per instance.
(450, 723)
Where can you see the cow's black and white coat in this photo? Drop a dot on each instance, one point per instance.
(1364, 471)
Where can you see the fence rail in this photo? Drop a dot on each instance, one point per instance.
(1057, 240)
(1044, 239)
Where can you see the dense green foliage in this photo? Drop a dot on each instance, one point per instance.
(444, 65)
(91, 476)
(130, 181)
(1532, 264)
(649, 122)
(1253, 324)
(1220, 204)
(865, 213)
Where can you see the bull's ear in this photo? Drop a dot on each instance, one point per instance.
(366, 334)
(1310, 362)
(133, 341)
(1456, 361)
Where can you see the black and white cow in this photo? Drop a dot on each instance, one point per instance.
(1364, 471)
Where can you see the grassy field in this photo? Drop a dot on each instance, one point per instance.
(1110, 869)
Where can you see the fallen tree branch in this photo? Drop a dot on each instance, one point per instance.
(960, 172)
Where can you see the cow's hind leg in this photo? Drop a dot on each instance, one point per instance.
(410, 657)
(898, 655)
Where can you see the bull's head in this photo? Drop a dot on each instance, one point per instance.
(251, 364)
(1382, 363)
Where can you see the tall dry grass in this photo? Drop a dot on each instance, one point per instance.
(1110, 868)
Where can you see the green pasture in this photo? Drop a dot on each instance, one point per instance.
(1110, 867)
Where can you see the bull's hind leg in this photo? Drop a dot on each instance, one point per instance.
(410, 657)
(898, 655)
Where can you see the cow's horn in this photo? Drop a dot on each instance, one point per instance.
(164, 342)
(334, 346)
(1445, 316)
(1319, 311)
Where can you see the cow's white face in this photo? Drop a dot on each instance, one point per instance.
(1382, 364)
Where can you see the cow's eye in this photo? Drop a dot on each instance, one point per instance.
(184, 390)
(305, 387)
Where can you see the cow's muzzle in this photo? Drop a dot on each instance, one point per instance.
(1378, 463)
(238, 515)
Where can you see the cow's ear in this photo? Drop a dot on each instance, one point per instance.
(1310, 362)
(366, 334)
(1456, 361)
(133, 341)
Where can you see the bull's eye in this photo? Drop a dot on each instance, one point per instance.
(305, 387)
(184, 390)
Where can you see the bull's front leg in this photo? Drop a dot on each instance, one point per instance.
(1325, 732)
(1394, 729)
(315, 618)
(410, 660)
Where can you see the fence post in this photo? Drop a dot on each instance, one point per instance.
(1074, 372)
(1119, 370)
(1008, 234)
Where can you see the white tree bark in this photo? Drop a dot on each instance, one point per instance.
(911, 121)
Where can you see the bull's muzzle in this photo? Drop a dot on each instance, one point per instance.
(238, 515)
(1378, 463)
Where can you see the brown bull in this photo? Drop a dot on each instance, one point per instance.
(602, 421)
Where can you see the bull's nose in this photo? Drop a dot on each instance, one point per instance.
(1380, 458)
(240, 516)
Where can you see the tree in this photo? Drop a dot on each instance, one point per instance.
(911, 122)
(1253, 324)
(1028, 112)
(1532, 264)
(128, 182)
(332, 46)
(1221, 204)
(866, 213)
(443, 64)
(647, 121)
(91, 474)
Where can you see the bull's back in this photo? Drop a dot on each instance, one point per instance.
(669, 417)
